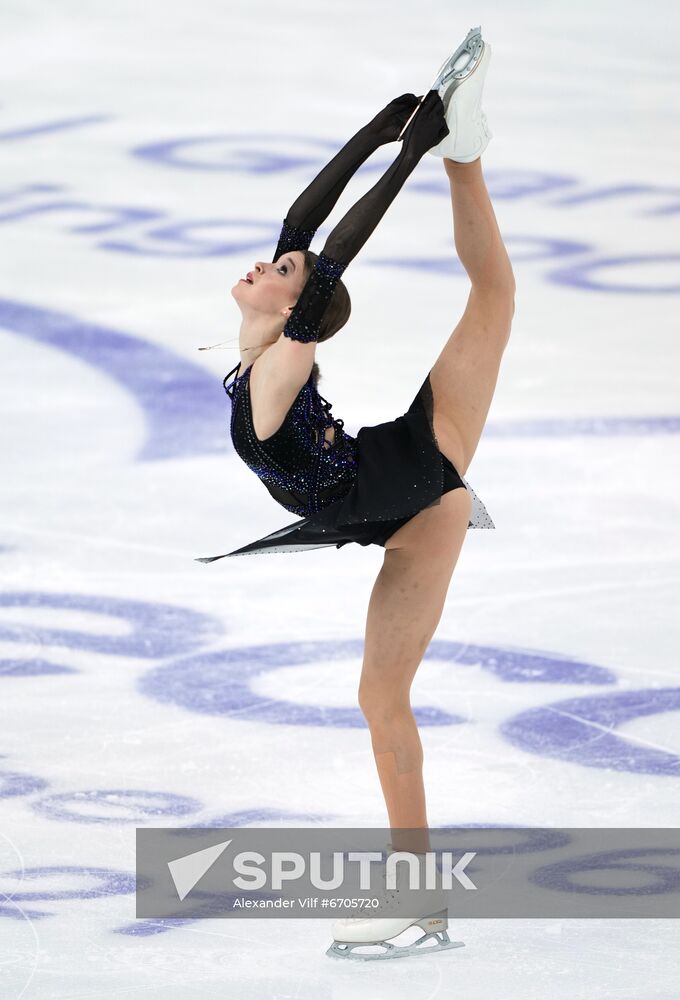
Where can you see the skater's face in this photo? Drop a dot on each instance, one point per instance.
(275, 287)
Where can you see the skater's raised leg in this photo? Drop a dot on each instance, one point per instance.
(464, 375)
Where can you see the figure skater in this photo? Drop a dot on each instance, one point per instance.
(398, 484)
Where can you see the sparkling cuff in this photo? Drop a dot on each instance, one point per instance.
(304, 321)
(292, 238)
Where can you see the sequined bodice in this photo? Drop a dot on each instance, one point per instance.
(301, 469)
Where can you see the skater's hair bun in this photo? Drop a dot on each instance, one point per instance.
(337, 312)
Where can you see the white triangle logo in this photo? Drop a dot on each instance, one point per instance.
(187, 871)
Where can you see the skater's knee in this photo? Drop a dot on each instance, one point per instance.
(494, 292)
(491, 305)
(384, 711)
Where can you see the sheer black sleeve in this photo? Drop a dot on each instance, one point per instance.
(342, 245)
(426, 129)
(319, 198)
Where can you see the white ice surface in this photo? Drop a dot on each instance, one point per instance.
(584, 563)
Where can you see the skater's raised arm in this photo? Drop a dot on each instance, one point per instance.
(426, 130)
(317, 201)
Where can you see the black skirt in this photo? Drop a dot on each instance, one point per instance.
(400, 471)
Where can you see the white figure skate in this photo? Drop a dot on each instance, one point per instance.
(354, 933)
(460, 83)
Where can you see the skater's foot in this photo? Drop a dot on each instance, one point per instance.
(460, 88)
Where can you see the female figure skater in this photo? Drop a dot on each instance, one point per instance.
(398, 484)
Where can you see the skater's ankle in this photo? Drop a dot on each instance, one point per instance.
(462, 171)
(414, 843)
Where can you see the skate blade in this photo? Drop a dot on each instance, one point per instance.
(473, 44)
(450, 71)
(435, 927)
(453, 80)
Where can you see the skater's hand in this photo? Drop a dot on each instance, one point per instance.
(388, 123)
(428, 127)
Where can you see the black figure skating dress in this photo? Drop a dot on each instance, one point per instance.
(353, 489)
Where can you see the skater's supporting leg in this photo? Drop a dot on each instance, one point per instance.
(464, 375)
(404, 610)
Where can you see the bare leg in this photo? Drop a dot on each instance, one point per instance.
(404, 610)
(409, 594)
(464, 375)
(478, 240)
